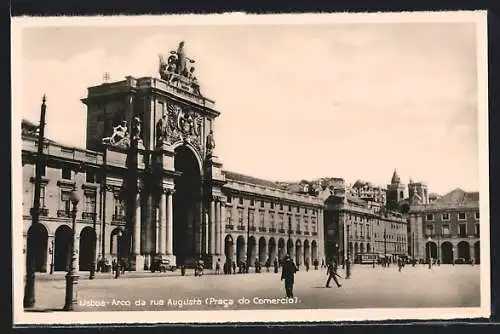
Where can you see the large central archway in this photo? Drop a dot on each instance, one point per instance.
(187, 204)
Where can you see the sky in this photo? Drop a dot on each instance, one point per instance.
(296, 101)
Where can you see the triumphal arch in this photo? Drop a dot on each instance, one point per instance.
(159, 166)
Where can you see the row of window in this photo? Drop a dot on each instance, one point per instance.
(445, 230)
(281, 223)
(67, 174)
(369, 220)
(446, 216)
(89, 201)
(272, 204)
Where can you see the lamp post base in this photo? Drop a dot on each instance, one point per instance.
(29, 292)
(71, 292)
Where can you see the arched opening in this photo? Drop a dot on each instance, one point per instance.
(187, 202)
(240, 249)
(37, 241)
(307, 252)
(368, 248)
(477, 253)
(118, 243)
(229, 248)
(447, 252)
(361, 248)
(252, 249)
(298, 252)
(463, 250)
(289, 248)
(432, 248)
(281, 248)
(87, 244)
(262, 250)
(314, 250)
(272, 250)
(62, 247)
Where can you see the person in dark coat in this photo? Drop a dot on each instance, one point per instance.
(276, 266)
(288, 273)
(332, 273)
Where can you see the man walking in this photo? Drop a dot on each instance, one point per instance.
(332, 273)
(288, 273)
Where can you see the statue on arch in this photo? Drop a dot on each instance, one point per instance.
(136, 130)
(119, 137)
(210, 143)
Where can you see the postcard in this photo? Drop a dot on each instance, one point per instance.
(250, 168)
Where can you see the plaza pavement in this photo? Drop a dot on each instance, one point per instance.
(443, 286)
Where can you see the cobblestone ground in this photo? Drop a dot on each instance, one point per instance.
(444, 286)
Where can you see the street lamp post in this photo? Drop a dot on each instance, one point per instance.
(337, 252)
(429, 249)
(52, 253)
(72, 275)
(29, 288)
(94, 245)
(348, 260)
(118, 242)
(385, 248)
(247, 269)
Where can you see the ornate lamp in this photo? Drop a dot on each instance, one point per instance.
(72, 276)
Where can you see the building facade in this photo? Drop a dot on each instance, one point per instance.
(355, 226)
(446, 229)
(152, 186)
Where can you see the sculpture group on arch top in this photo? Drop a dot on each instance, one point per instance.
(176, 71)
(177, 123)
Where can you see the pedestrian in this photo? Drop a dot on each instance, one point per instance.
(257, 266)
(268, 264)
(234, 267)
(315, 264)
(288, 273)
(307, 265)
(217, 267)
(123, 265)
(322, 263)
(331, 271)
(400, 264)
(114, 266)
(276, 266)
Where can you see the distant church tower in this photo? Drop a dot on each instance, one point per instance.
(395, 191)
(418, 193)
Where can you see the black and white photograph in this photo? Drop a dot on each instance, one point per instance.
(250, 168)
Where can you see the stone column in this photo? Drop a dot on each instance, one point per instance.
(137, 226)
(163, 223)
(472, 252)
(170, 224)
(211, 235)
(321, 236)
(217, 227)
(222, 218)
